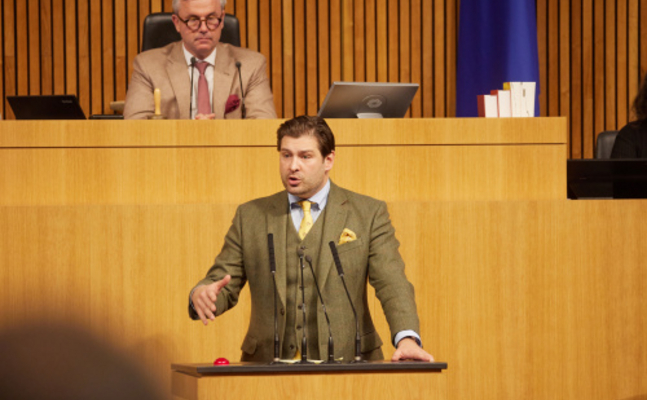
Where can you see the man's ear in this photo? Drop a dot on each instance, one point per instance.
(329, 160)
(176, 22)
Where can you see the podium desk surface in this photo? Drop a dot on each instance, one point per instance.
(203, 369)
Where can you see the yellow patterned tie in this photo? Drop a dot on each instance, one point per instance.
(306, 222)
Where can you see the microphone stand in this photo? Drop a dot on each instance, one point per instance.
(277, 344)
(304, 340)
(331, 345)
(243, 111)
(193, 60)
(340, 271)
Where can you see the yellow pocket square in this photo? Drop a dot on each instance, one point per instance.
(347, 236)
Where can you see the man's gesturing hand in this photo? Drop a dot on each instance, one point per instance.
(204, 299)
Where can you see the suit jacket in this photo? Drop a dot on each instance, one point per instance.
(165, 68)
(373, 255)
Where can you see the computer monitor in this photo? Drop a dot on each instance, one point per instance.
(368, 100)
(63, 106)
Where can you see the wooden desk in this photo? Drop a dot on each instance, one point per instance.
(377, 381)
(184, 162)
(523, 293)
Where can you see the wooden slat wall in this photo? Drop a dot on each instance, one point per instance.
(86, 48)
(592, 61)
(591, 54)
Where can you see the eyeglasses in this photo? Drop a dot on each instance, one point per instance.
(194, 23)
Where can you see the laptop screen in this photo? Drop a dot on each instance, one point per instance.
(46, 107)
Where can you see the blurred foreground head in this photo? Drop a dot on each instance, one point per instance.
(60, 362)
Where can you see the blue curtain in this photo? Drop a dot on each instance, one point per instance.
(497, 42)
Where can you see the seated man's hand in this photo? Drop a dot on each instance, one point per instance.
(205, 116)
(408, 349)
(204, 299)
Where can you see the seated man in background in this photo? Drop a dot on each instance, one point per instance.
(631, 141)
(215, 68)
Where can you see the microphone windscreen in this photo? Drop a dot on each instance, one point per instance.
(270, 246)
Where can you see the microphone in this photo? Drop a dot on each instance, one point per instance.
(193, 61)
(331, 345)
(304, 340)
(277, 345)
(340, 271)
(240, 80)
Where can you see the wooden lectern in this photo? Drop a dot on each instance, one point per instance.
(372, 380)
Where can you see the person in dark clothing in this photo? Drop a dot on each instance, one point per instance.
(631, 141)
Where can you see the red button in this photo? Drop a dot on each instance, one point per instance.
(221, 361)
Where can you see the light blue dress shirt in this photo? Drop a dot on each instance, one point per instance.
(319, 201)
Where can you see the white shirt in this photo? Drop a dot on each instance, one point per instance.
(208, 73)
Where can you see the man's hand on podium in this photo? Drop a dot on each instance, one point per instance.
(408, 349)
(204, 299)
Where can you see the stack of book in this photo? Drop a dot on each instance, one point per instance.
(517, 99)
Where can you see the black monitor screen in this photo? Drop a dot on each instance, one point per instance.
(46, 107)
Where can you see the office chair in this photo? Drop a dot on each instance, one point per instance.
(160, 31)
(604, 144)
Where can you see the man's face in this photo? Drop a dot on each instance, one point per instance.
(201, 42)
(304, 171)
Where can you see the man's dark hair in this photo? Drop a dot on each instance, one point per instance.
(305, 125)
(640, 102)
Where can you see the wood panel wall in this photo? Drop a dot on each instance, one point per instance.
(523, 299)
(591, 56)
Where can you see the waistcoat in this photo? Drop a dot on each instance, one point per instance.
(311, 245)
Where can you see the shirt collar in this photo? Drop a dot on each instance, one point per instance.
(319, 198)
(211, 58)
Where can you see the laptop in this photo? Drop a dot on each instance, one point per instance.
(59, 106)
(368, 100)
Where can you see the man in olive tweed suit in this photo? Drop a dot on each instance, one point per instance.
(368, 250)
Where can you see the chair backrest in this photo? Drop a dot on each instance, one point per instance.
(604, 144)
(160, 31)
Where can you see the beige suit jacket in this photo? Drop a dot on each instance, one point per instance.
(166, 68)
(373, 255)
